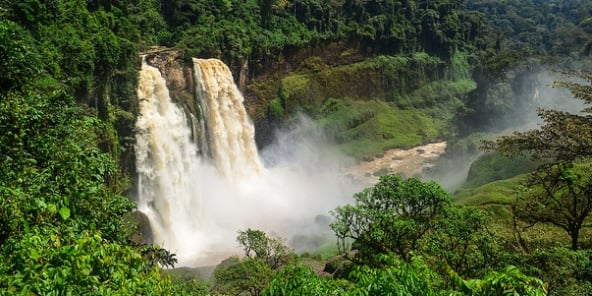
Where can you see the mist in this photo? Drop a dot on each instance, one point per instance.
(290, 199)
(513, 105)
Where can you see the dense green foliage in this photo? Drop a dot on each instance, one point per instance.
(462, 240)
(262, 30)
(68, 74)
(455, 256)
(49, 261)
(553, 27)
(374, 74)
(301, 280)
(390, 217)
(234, 276)
(397, 277)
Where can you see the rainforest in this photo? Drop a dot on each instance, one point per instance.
(295, 147)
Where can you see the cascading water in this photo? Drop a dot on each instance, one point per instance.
(230, 131)
(195, 204)
(171, 173)
(167, 163)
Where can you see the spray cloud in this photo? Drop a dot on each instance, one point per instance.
(510, 105)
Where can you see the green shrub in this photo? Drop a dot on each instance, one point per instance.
(45, 261)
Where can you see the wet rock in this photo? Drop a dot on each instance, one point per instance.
(143, 233)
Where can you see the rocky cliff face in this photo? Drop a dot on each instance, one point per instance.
(178, 74)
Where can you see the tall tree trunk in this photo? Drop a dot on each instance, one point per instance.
(575, 233)
(265, 7)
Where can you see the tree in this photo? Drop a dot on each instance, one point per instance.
(462, 242)
(559, 191)
(558, 194)
(154, 254)
(563, 137)
(264, 255)
(266, 8)
(257, 244)
(236, 276)
(391, 216)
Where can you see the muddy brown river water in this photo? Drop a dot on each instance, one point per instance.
(405, 162)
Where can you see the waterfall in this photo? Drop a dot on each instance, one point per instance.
(167, 163)
(196, 202)
(173, 180)
(231, 134)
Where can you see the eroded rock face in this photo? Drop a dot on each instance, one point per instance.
(178, 74)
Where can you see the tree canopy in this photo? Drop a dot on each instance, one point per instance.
(391, 216)
(558, 191)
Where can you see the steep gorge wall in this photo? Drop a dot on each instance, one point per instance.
(306, 80)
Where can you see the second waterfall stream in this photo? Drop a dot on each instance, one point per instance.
(197, 204)
(231, 134)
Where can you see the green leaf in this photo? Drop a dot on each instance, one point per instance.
(52, 208)
(65, 213)
(34, 254)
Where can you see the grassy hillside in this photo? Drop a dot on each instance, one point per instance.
(496, 196)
